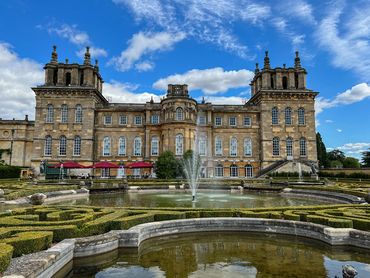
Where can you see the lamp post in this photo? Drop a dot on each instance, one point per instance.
(11, 148)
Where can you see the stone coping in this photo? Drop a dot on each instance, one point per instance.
(47, 263)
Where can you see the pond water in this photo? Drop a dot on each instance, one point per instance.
(205, 199)
(225, 254)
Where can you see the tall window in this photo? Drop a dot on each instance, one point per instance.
(154, 119)
(47, 145)
(50, 113)
(302, 147)
(276, 146)
(218, 146)
(202, 146)
(234, 169)
(77, 146)
(248, 171)
(233, 146)
(64, 113)
(78, 114)
(202, 119)
(62, 145)
(285, 82)
(247, 121)
(247, 146)
(301, 116)
(179, 142)
(137, 146)
(123, 120)
(108, 119)
(288, 116)
(155, 146)
(105, 172)
(218, 121)
(138, 120)
(275, 116)
(68, 78)
(106, 146)
(179, 114)
(289, 146)
(232, 121)
(219, 170)
(122, 146)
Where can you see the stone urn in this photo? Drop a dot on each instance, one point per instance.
(37, 198)
(348, 271)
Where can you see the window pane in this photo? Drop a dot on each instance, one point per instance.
(123, 120)
(64, 114)
(122, 146)
(233, 147)
(179, 144)
(276, 146)
(247, 121)
(62, 145)
(106, 146)
(48, 145)
(275, 116)
(155, 146)
(218, 146)
(78, 114)
(137, 146)
(50, 114)
(218, 121)
(247, 147)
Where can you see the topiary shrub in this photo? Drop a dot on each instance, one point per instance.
(9, 172)
(6, 253)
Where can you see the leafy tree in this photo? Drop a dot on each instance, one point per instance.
(336, 164)
(167, 166)
(321, 152)
(336, 155)
(366, 158)
(351, 162)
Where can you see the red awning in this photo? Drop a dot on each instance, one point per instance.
(68, 165)
(140, 164)
(103, 164)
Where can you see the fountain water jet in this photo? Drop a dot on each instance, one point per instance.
(192, 167)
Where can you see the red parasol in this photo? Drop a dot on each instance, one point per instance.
(68, 165)
(140, 164)
(103, 164)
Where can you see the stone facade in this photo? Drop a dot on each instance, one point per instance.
(232, 140)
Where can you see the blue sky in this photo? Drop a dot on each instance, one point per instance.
(212, 45)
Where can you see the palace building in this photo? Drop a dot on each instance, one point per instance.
(273, 131)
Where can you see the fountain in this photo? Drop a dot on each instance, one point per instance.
(192, 166)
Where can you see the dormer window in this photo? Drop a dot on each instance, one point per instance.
(179, 114)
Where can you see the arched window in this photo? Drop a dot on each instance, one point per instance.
(276, 146)
(288, 116)
(296, 80)
(137, 146)
(179, 143)
(248, 171)
(68, 78)
(179, 114)
(50, 113)
(78, 114)
(289, 147)
(122, 146)
(285, 82)
(218, 146)
(62, 145)
(82, 78)
(106, 146)
(233, 146)
(302, 147)
(247, 146)
(275, 116)
(155, 146)
(202, 145)
(301, 116)
(219, 170)
(64, 113)
(272, 82)
(234, 170)
(77, 146)
(48, 145)
(55, 77)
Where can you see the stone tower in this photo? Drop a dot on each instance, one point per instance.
(65, 111)
(287, 113)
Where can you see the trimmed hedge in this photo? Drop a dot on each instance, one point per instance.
(8, 172)
(29, 242)
(6, 253)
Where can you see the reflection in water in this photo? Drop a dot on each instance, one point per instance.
(210, 199)
(225, 255)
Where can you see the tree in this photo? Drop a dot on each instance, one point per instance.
(335, 164)
(167, 166)
(321, 152)
(366, 158)
(336, 155)
(351, 162)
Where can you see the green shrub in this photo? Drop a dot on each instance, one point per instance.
(6, 253)
(162, 216)
(340, 223)
(29, 242)
(133, 220)
(252, 214)
(7, 171)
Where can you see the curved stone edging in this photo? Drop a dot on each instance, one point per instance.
(47, 263)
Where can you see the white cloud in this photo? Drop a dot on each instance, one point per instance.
(339, 130)
(17, 76)
(347, 37)
(123, 92)
(357, 93)
(94, 51)
(297, 9)
(354, 149)
(142, 44)
(329, 121)
(144, 66)
(210, 81)
(223, 100)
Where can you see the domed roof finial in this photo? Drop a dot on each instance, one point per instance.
(87, 60)
(256, 69)
(96, 64)
(54, 55)
(297, 60)
(266, 60)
